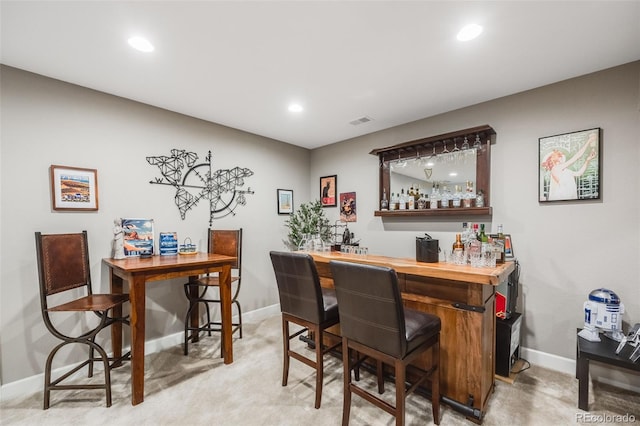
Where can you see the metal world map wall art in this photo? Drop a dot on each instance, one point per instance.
(195, 181)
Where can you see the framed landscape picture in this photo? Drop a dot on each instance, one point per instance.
(74, 188)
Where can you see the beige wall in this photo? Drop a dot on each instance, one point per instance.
(566, 250)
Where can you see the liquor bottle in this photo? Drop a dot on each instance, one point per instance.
(456, 199)
(402, 201)
(499, 240)
(411, 202)
(465, 233)
(458, 245)
(384, 203)
(444, 199)
(394, 202)
(434, 199)
(416, 194)
(480, 199)
(475, 245)
(469, 195)
(422, 202)
(482, 237)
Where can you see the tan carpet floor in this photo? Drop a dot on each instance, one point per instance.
(201, 390)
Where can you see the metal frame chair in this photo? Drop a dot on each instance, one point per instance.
(305, 303)
(63, 268)
(229, 243)
(374, 323)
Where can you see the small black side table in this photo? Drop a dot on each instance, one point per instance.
(604, 352)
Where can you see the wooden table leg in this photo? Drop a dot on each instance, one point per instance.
(194, 319)
(582, 373)
(225, 311)
(137, 298)
(116, 328)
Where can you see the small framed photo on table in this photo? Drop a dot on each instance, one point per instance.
(328, 191)
(74, 188)
(508, 247)
(285, 201)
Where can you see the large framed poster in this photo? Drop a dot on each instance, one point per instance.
(570, 166)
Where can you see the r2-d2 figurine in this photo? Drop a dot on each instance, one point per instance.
(603, 311)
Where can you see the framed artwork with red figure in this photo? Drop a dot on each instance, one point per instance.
(328, 188)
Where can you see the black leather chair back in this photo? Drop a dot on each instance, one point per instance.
(370, 306)
(298, 285)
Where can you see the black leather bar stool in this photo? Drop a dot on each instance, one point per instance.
(374, 322)
(305, 303)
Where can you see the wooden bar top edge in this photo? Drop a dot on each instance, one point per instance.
(442, 270)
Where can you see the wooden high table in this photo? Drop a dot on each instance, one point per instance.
(464, 299)
(138, 271)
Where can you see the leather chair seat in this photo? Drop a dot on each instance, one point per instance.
(420, 327)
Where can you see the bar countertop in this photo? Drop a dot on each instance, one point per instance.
(442, 270)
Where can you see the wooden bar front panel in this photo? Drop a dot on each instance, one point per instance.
(465, 304)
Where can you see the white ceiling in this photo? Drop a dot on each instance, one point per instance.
(240, 63)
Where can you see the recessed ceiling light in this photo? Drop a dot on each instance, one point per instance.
(469, 32)
(295, 108)
(141, 44)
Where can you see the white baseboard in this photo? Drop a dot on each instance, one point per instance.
(33, 384)
(621, 378)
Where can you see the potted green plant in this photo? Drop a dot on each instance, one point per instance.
(308, 219)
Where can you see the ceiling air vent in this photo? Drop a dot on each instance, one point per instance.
(360, 120)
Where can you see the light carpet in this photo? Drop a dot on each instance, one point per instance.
(200, 389)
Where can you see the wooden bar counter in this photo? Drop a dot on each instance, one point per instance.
(464, 299)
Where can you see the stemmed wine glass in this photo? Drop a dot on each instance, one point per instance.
(445, 158)
(465, 144)
(476, 143)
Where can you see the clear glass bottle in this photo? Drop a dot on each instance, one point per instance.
(384, 203)
(402, 201)
(445, 197)
(500, 245)
(469, 195)
(434, 199)
(456, 198)
(394, 202)
(480, 199)
(411, 201)
(465, 233)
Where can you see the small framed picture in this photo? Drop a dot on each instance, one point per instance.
(569, 166)
(138, 237)
(328, 191)
(74, 188)
(285, 201)
(508, 247)
(348, 211)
